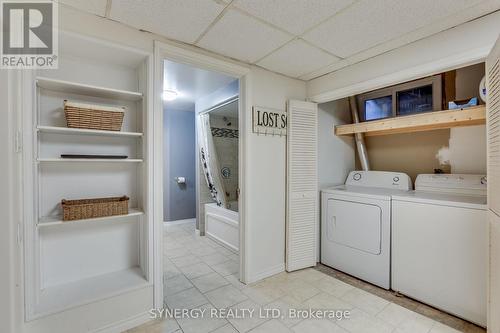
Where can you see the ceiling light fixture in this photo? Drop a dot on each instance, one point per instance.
(169, 95)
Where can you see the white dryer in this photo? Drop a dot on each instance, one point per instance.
(356, 224)
(440, 244)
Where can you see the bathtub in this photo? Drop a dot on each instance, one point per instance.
(222, 225)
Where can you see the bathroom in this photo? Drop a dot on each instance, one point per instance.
(201, 179)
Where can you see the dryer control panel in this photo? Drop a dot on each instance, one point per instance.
(380, 179)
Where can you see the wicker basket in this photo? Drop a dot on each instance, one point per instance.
(90, 116)
(92, 208)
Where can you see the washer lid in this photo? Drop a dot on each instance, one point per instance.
(444, 199)
(452, 183)
(363, 192)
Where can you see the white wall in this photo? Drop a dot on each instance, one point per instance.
(431, 55)
(467, 150)
(336, 154)
(265, 167)
(468, 144)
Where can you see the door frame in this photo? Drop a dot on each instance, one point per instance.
(165, 51)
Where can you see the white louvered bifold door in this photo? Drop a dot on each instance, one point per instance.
(493, 110)
(302, 185)
(493, 123)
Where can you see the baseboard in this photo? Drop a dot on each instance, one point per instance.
(266, 273)
(126, 324)
(180, 221)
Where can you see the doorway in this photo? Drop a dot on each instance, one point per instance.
(200, 168)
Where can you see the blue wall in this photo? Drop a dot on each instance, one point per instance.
(179, 201)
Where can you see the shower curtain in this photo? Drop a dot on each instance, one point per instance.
(209, 161)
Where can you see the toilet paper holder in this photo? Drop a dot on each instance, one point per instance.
(180, 180)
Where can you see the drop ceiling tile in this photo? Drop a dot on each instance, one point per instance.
(297, 58)
(243, 37)
(97, 7)
(184, 20)
(371, 22)
(295, 16)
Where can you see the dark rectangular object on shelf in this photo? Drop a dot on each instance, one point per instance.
(117, 157)
(93, 208)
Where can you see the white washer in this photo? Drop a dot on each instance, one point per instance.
(440, 244)
(356, 224)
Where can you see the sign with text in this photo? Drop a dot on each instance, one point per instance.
(29, 36)
(269, 121)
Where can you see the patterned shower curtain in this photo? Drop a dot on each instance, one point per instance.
(209, 161)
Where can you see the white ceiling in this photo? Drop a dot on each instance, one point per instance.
(299, 38)
(191, 83)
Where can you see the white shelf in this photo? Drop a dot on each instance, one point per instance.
(89, 160)
(428, 121)
(62, 297)
(81, 131)
(53, 221)
(87, 90)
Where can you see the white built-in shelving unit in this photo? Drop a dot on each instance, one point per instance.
(87, 160)
(70, 265)
(79, 131)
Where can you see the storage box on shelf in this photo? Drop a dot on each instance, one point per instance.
(94, 208)
(75, 263)
(91, 116)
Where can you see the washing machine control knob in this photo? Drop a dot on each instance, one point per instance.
(395, 179)
(356, 176)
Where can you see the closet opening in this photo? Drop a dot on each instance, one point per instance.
(201, 223)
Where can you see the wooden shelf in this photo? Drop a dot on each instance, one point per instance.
(89, 160)
(63, 297)
(53, 221)
(418, 122)
(87, 90)
(81, 131)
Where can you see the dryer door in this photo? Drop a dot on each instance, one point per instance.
(357, 225)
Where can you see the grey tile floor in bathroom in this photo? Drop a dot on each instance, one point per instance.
(199, 273)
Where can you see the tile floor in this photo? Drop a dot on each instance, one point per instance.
(199, 273)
